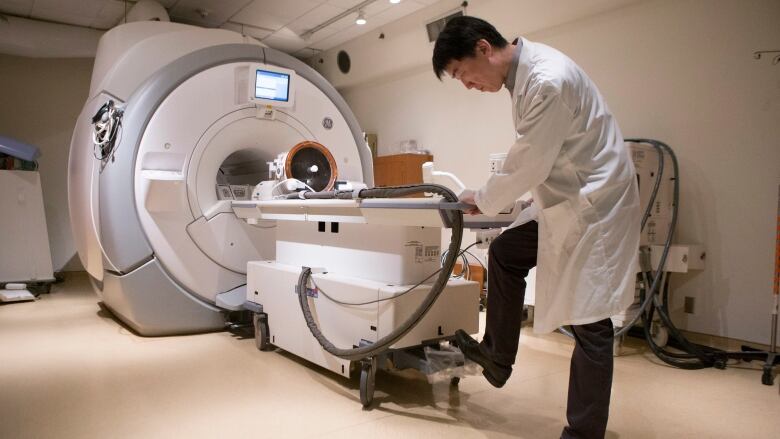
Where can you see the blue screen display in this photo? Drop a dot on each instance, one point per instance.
(274, 86)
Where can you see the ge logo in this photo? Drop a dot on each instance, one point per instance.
(327, 123)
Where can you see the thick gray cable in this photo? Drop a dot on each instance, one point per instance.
(659, 173)
(385, 342)
(652, 287)
(659, 146)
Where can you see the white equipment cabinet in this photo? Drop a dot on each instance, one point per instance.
(24, 241)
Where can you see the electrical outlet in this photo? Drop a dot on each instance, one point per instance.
(690, 302)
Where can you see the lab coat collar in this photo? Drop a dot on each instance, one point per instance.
(523, 66)
(509, 82)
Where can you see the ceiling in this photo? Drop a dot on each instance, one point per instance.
(277, 23)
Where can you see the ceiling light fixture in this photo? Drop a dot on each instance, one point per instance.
(395, 2)
(361, 18)
(347, 13)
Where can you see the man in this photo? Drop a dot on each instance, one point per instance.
(570, 154)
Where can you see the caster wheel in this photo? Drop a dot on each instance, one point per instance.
(261, 332)
(766, 378)
(367, 381)
(455, 381)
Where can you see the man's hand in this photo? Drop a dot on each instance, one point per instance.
(467, 196)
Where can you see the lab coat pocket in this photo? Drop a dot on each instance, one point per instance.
(561, 229)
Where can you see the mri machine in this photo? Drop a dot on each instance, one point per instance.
(187, 142)
(167, 255)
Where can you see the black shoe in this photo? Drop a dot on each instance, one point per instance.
(495, 373)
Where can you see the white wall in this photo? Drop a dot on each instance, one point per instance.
(41, 99)
(680, 71)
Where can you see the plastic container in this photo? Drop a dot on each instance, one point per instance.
(448, 362)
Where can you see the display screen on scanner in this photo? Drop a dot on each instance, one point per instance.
(272, 85)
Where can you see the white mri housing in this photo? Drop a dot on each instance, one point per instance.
(165, 255)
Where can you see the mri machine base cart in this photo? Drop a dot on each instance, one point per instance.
(361, 252)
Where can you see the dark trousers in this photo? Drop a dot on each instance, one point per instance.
(511, 256)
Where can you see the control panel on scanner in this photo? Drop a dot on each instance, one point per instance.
(271, 86)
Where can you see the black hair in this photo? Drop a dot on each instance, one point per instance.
(459, 38)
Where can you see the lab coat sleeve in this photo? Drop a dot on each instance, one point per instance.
(540, 134)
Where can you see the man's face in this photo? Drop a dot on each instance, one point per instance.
(480, 71)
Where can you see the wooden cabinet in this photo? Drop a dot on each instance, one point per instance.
(399, 169)
(476, 273)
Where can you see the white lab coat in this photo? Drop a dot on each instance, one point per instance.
(571, 155)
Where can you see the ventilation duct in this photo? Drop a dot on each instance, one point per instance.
(435, 27)
(146, 10)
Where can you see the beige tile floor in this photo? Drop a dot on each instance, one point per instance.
(68, 370)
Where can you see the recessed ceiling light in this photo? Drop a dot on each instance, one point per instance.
(395, 2)
(361, 18)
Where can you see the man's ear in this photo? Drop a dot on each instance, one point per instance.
(483, 48)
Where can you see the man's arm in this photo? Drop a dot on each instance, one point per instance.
(541, 133)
